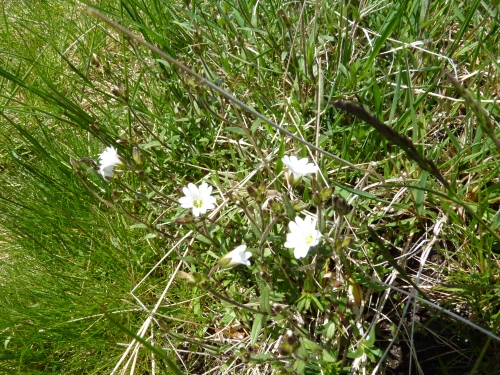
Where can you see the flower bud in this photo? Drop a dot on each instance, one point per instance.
(316, 187)
(262, 192)
(115, 195)
(137, 157)
(326, 193)
(263, 267)
(284, 18)
(341, 206)
(120, 91)
(276, 206)
(239, 255)
(335, 283)
(292, 180)
(96, 60)
(251, 191)
(204, 284)
(316, 198)
(289, 344)
(290, 338)
(88, 161)
(265, 276)
(141, 175)
(122, 141)
(185, 219)
(191, 278)
(245, 355)
(298, 205)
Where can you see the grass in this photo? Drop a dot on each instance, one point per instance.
(88, 267)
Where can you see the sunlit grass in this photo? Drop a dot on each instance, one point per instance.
(75, 246)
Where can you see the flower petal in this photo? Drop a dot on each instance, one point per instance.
(300, 251)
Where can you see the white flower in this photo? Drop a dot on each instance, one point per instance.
(107, 160)
(237, 256)
(199, 199)
(302, 236)
(299, 168)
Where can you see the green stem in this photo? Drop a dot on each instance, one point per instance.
(233, 302)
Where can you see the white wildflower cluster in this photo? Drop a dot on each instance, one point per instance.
(107, 161)
(303, 233)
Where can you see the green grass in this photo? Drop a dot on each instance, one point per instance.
(87, 265)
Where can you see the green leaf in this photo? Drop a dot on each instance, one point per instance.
(264, 300)
(139, 226)
(299, 366)
(311, 346)
(151, 145)
(237, 130)
(316, 302)
(255, 126)
(330, 332)
(358, 353)
(420, 194)
(327, 357)
(256, 327)
(371, 338)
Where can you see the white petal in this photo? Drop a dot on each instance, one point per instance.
(210, 200)
(106, 171)
(193, 190)
(186, 202)
(286, 160)
(208, 190)
(186, 191)
(300, 251)
(307, 223)
(196, 211)
(300, 222)
(292, 225)
(302, 162)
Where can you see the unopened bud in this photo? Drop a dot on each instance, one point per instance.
(276, 206)
(120, 91)
(326, 193)
(137, 157)
(335, 283)
(141, 175)
(96, 60)
(341, 206)
(122, 141)
(251, 191)
(283, 16)
(185, 219)
(315, 185)
(204, 284)
(262, 192)
(292, 180)
(191, 278)
(115, 195)
(265, 276)
(263, 267)
(87, 161)
(298, 205)
(290, 337)
(245, 355)
(317, 199)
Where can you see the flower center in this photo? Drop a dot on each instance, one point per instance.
(198, 203)
(309, 239)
